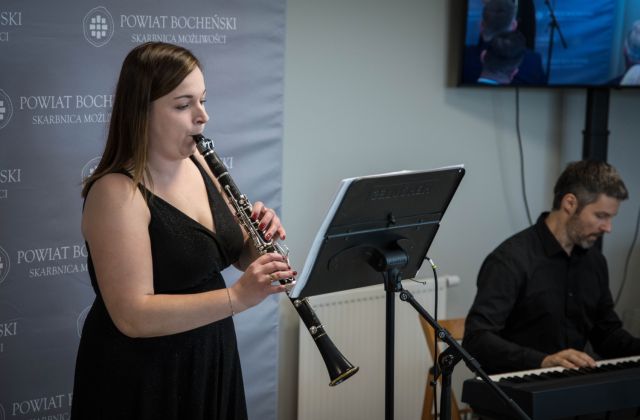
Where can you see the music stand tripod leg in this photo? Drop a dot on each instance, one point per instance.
(448, 359)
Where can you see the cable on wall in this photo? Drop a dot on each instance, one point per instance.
(628, 260)
(522, 176)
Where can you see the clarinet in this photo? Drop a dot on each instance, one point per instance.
(338, 366)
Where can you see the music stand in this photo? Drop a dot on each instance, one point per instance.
(399, 210)
(380, 228)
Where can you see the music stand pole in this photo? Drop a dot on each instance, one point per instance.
(448, 359)
(390, 262)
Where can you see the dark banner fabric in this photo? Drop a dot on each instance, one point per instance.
(59, 62)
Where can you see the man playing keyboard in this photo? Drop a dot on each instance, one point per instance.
(543, 294)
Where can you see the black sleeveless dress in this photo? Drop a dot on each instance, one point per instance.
(191, 375)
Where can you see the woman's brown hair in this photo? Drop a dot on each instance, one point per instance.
(149, 71)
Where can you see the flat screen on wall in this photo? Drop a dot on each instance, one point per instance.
(551, 43)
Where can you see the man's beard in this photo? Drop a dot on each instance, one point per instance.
(575, 233)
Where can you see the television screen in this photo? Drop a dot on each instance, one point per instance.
(551, 43)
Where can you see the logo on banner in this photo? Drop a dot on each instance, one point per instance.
(87, 108)
(54, 261)
(11, 326)
(227, 161)
(90, 167)
(210, 29)
(43, 407)
(98, 26)
(5, 265)
(9, 19)
(6, 109)
(8, 177)
(8, 332)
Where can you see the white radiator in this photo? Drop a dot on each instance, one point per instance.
(355, 321)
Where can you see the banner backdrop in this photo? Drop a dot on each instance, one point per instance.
(58, 69)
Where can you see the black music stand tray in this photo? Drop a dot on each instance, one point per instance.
(379, 229)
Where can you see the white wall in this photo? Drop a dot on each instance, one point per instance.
(623, 153)
(368, 89)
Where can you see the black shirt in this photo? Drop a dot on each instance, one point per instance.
(534, 300)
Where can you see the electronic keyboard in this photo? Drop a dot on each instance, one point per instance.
(557, 392)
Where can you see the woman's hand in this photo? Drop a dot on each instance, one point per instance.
(260, 280)
(268, 222)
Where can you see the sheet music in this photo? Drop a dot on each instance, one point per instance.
(302, 278)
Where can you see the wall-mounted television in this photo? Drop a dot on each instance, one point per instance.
(553, 43)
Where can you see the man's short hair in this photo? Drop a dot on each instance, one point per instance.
(504, 53)
(587, 180)
(632, 43)
(497, 17)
